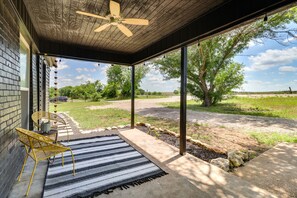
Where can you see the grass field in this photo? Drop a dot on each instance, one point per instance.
(229, 139)
(271, 139)
(91, 119)
(283, 107)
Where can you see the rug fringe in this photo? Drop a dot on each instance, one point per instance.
(128, 185)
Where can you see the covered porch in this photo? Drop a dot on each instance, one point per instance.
(187, 176)
(51, 28)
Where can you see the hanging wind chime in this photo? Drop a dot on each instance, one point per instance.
(56, 89)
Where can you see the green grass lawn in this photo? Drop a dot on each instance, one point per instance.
(283, 107)
(100, 118)
(271, 139)
(90, 119)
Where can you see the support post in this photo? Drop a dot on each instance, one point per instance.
(183, 101)
(132, 95)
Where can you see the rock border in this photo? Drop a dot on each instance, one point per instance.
(234, 160)
(188, 138)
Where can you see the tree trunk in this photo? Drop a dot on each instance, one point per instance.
(206, 100)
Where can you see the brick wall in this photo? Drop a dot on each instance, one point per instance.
(11, 154)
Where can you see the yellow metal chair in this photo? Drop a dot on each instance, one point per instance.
(39, 115)
(39, 148)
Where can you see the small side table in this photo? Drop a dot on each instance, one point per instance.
(51, 133)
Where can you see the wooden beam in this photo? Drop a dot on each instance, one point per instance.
(132, 96)
(183, 102)
(227, 16)
(66, 50)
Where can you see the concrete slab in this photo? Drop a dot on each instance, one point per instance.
(208, 179)
(188, 176)
(275, 170)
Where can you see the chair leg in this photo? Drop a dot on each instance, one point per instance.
(31, 179)
(73, 162)
(23, 167)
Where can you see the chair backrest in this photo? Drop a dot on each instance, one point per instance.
(39, 143)
(38, 115)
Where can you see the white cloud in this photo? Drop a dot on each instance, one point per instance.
(83, 78)
(154, 81)
(293, 38)
(79, 70)
(253, 43)
(62, 65)
(272, 58)
(258, 85)
(287, 69)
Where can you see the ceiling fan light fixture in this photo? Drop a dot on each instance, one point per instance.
(114, 18)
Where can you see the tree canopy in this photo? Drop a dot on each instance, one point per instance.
(212, 72)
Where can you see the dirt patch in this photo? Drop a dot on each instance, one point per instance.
(220, 140)
(195, 150)
(225, 139)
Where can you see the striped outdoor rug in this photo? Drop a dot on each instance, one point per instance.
(102, 164)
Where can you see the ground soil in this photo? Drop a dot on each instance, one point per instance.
(245, 123)
(224, 139)
(195, 150)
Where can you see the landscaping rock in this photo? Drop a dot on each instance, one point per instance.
(147, 125)
(251, 154)
(141, 124)
(121, 126)
(245, 156)
(221, 163)
(108, 128)
(236, 158)
(114, 128)
(188, 137)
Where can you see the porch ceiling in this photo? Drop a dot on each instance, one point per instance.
(173, 23)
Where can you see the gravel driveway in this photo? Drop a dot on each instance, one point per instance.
(152, 107)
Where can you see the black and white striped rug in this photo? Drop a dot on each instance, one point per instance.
(102, 164)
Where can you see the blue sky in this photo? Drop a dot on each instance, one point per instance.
(269, 66)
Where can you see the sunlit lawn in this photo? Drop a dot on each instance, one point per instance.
(99, 118)
(283, 107)
(91, 119)
(272, 139)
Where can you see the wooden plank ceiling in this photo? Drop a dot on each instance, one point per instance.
(56, 20)
(58, 31)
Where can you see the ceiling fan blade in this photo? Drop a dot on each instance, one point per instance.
(114, 8)
(125, 30)
(136, 21)
(91, 15)
(103, 27)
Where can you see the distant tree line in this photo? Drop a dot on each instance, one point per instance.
(118, 85)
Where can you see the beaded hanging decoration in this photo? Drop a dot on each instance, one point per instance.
(56, 89)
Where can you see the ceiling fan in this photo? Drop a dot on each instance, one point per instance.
(114, 18)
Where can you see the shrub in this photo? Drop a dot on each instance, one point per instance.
(176, 92)
(96, 97)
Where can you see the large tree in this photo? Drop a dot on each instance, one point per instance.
(119, 80)
(212, 72)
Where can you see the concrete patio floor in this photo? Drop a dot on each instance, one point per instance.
(274, 170)
(188, 176)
